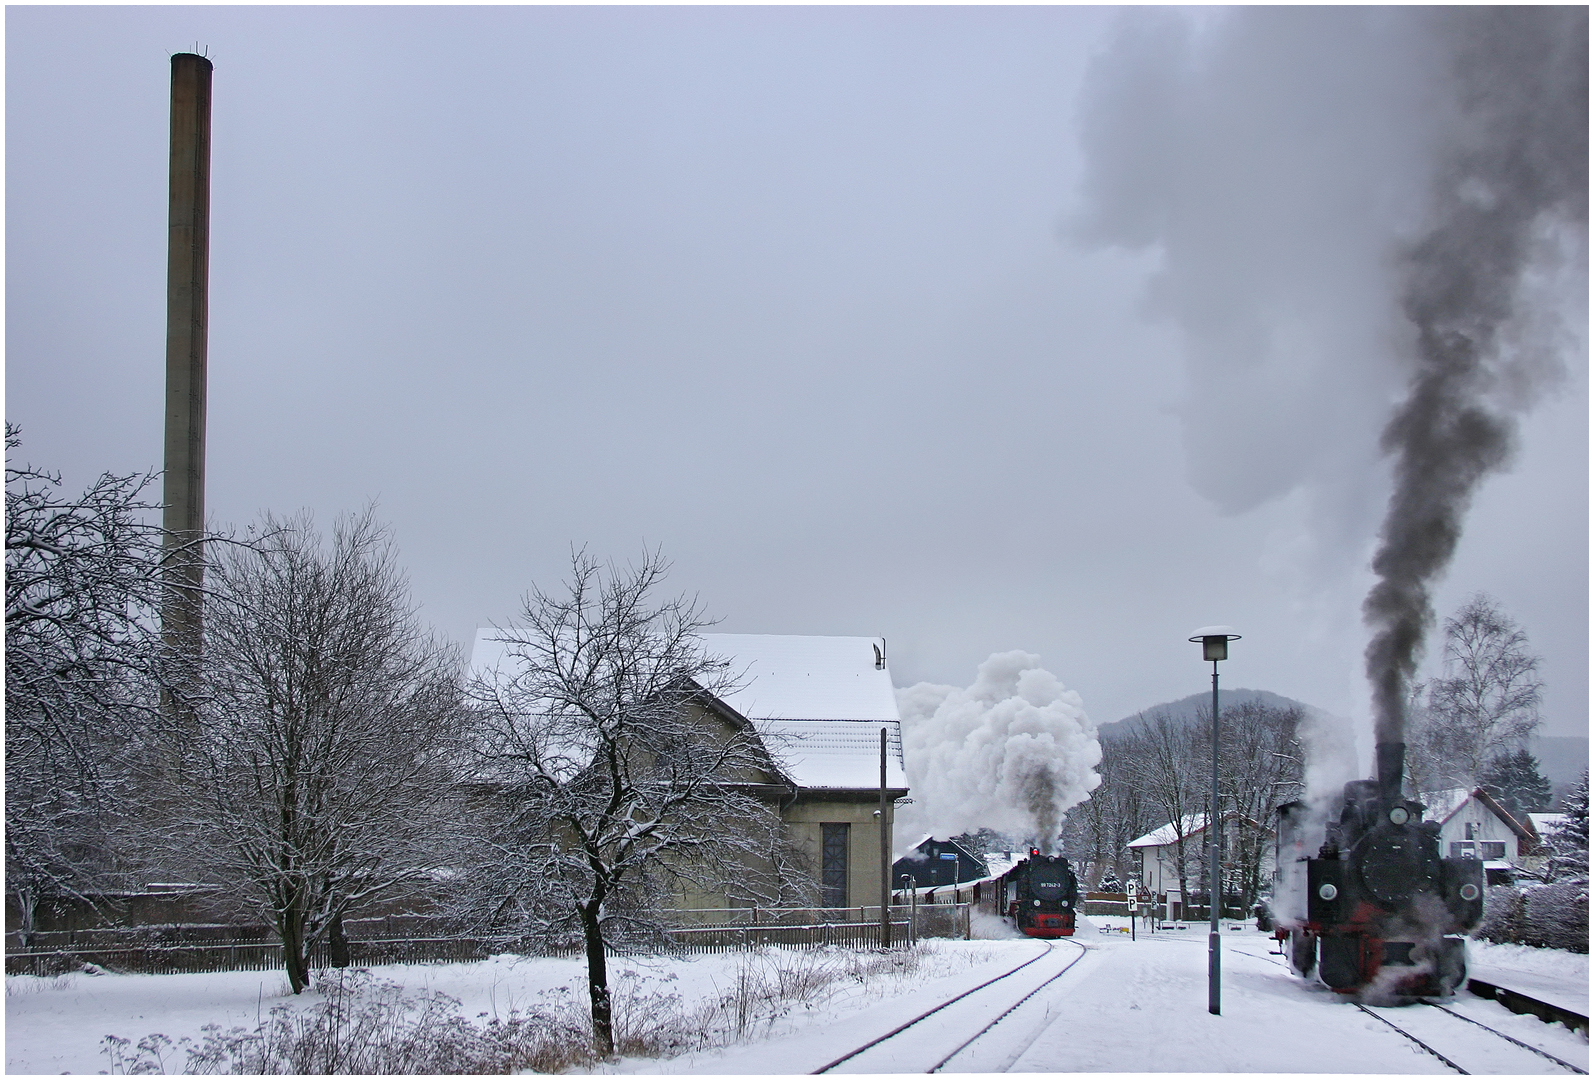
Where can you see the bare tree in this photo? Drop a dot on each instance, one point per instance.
(1160, 763)
(1261, 765)
(1486, 703)
(82, 657)
(610, 778)
(326, 741)
(1100, 829)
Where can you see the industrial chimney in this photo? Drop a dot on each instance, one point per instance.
(187, 319)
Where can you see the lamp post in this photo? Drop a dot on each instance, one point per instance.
(1214, 647)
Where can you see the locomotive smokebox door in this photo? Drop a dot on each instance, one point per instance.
(1392, 867)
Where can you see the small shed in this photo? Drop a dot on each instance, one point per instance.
(934, 862)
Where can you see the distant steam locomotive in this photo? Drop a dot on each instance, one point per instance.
(1378, 909)
(1040, 894)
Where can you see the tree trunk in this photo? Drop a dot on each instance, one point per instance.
(598, 982)
(337, 943)
(27, 913)
(293, 951)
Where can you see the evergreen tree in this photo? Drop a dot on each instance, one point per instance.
(1571, 836)
(1515, 780)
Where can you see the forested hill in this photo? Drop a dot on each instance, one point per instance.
(1562, 758)
(1196, 707)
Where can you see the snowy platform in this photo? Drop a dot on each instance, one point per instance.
(1562, 995)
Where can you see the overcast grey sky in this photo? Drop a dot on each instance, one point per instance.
(1062, 329)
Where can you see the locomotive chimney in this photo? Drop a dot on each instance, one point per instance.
(187, 318)
(1391, 764)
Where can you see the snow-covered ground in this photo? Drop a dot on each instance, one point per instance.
(1127, 1006)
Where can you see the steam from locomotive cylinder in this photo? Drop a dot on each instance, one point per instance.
(1514, 182)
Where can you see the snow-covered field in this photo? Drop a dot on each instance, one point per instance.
(1127, 1006)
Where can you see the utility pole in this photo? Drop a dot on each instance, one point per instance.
(885, 850)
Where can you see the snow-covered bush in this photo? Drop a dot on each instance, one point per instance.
(1551, 916)
(370, 1027)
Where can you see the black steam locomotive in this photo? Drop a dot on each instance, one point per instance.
(1040, 895)
(1378, 910)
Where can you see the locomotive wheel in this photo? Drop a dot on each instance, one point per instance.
(1303, 952)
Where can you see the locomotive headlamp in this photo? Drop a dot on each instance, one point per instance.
(1327, 890)
(1398, 816)
(1469, 892)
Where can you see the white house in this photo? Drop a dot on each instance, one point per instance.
(1472, 823)
(1158, 854)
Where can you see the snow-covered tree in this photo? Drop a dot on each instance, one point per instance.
(609, 778)
(1486, 702)
(82, 658)
(1571, 837)
(1515, 781)
(326, 741)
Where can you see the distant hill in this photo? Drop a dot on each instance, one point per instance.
(1189, 710)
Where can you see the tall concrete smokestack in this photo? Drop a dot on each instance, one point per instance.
(187, 320)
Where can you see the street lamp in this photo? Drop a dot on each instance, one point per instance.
(1214, 647)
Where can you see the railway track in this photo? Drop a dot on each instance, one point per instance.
(919, 1047)
(1443, 1038)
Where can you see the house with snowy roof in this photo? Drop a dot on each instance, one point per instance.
(1472, 824)
(932, 863)
(1160, 854)
(818, 706)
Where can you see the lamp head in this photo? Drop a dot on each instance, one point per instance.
(1215, 641)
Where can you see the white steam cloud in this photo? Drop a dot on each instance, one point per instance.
(1012, 752)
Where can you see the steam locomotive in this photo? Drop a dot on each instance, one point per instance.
(1040, 894)
(1378, 912)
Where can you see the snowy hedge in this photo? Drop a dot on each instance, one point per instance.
(1548, 916)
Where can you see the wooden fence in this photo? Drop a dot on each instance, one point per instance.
(198, 948)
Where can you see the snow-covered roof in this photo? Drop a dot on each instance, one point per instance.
(1546, 824)
(1167, 834)
(819, 703)
(794, 677)
(487, 654)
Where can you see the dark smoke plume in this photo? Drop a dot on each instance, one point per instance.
(1519, 171)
